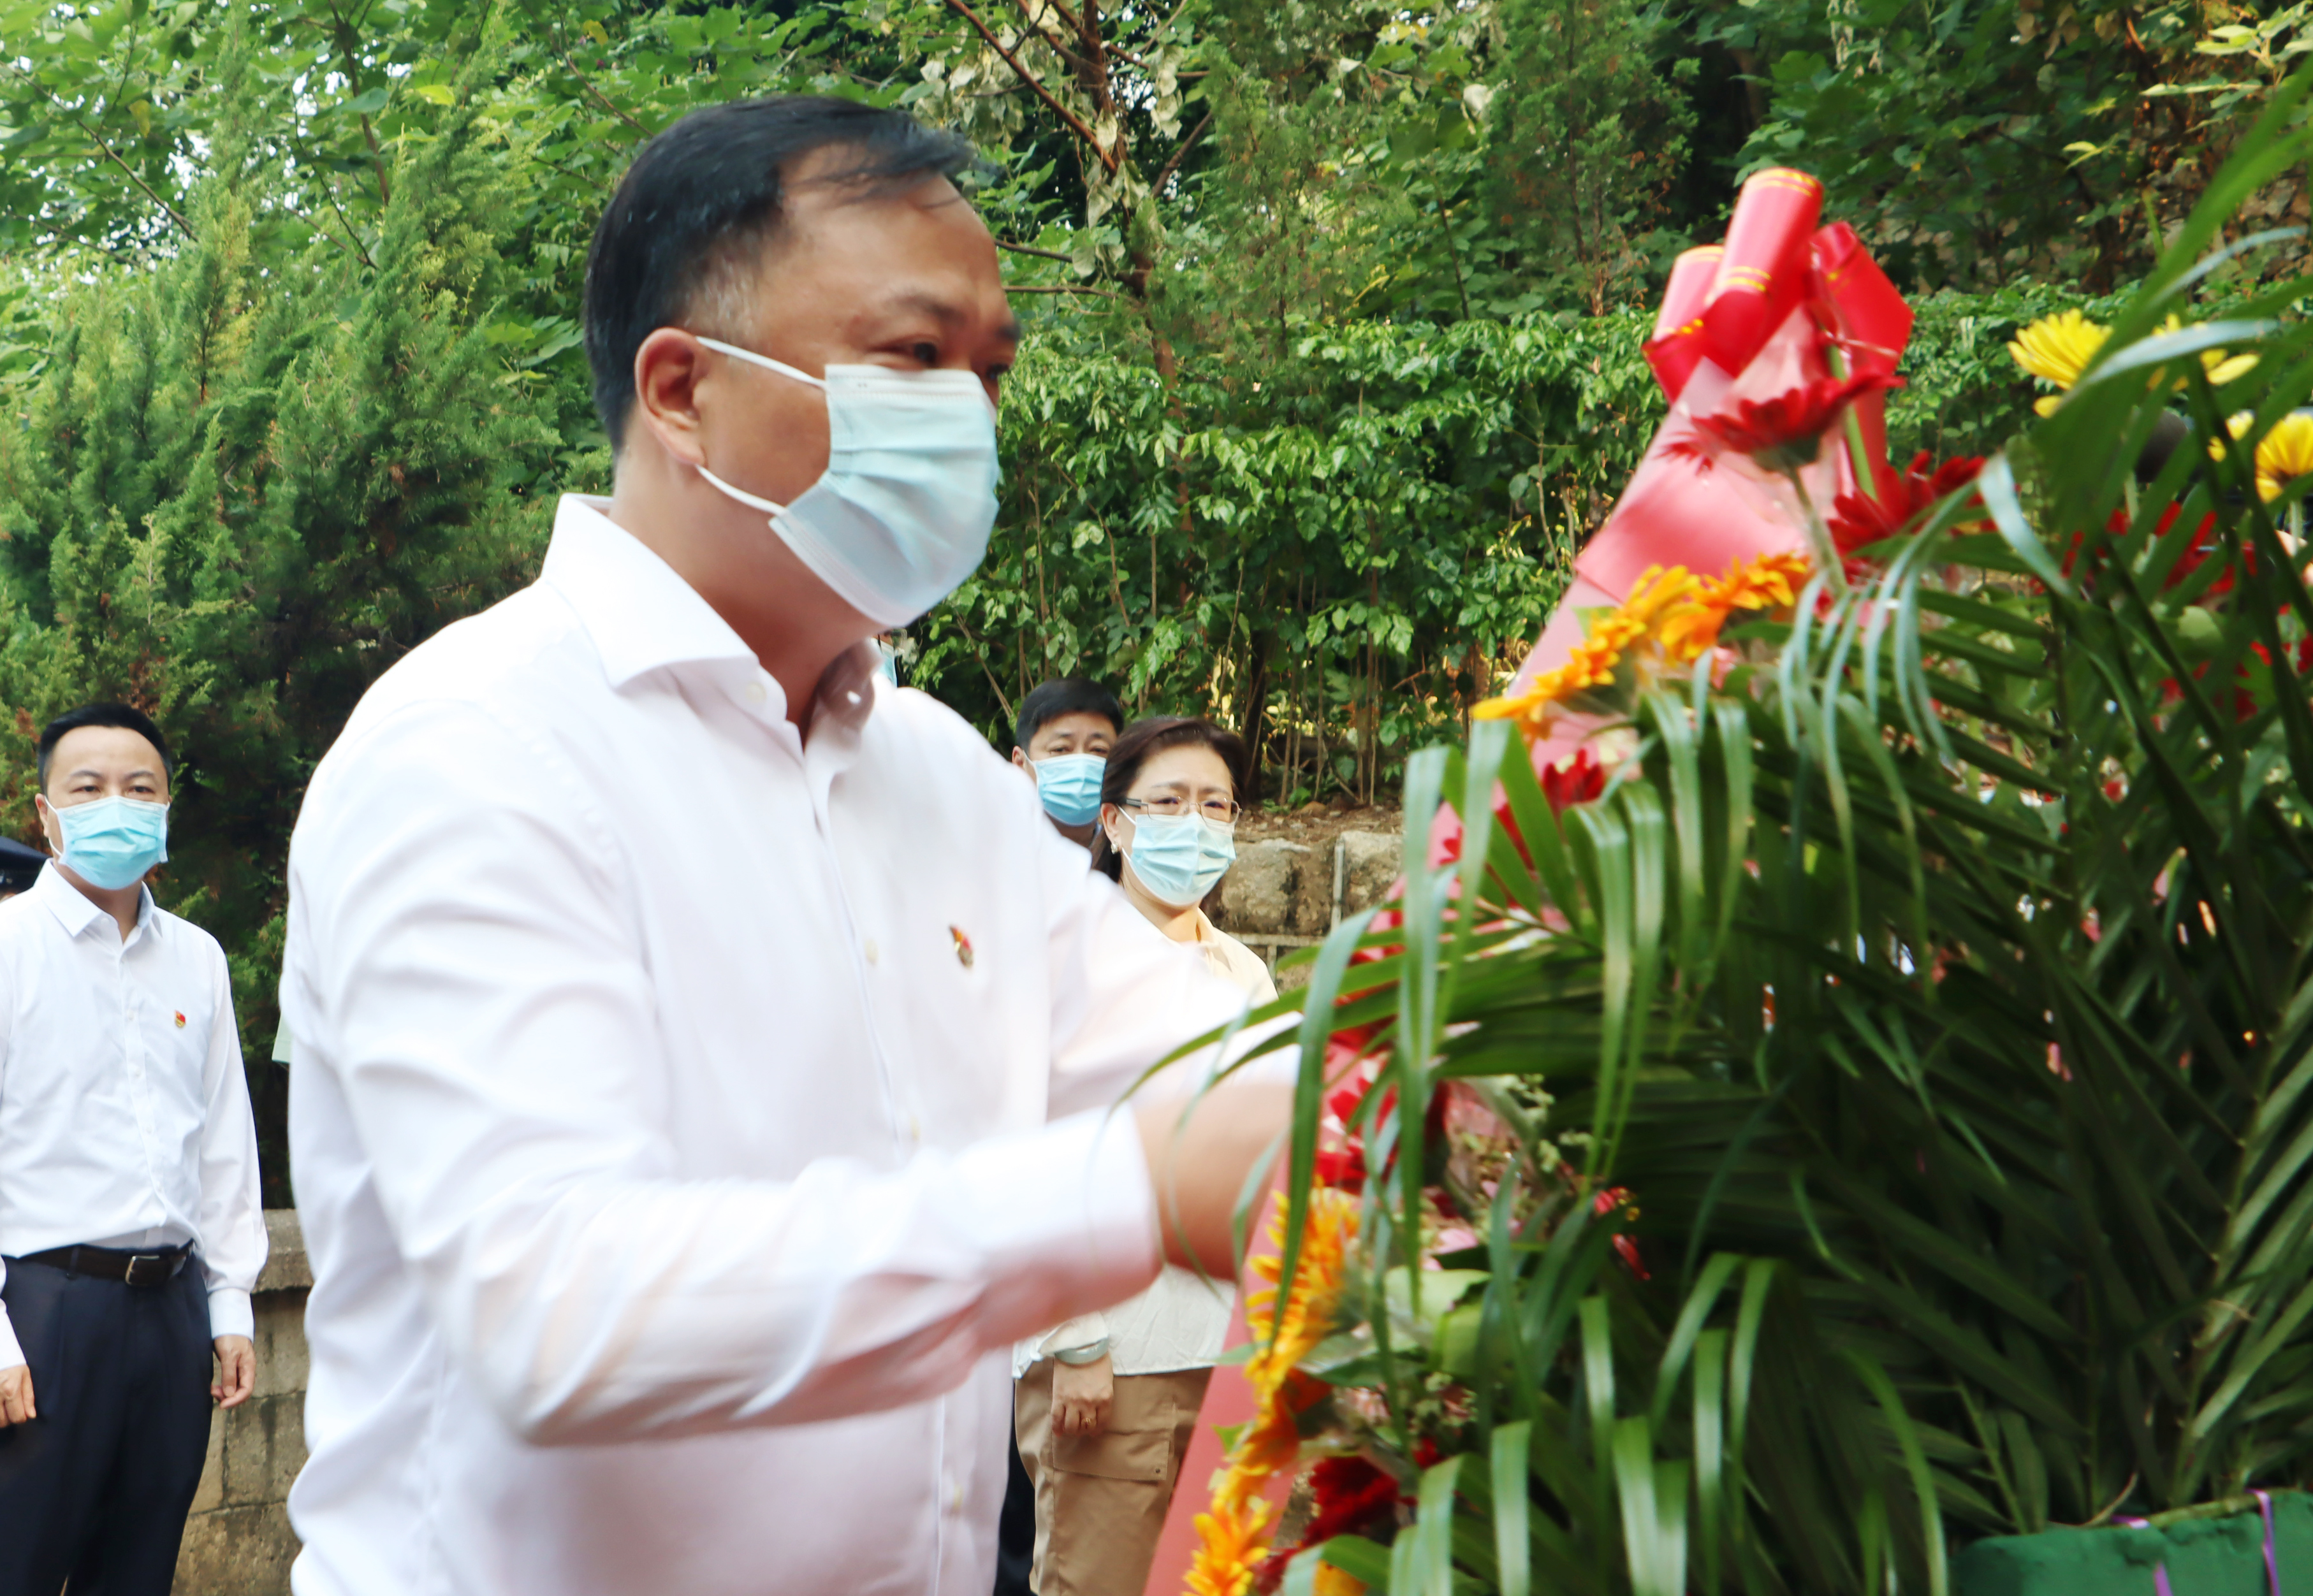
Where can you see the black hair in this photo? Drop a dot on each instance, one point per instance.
(1065, 694)
(707, 193)
(1154, 735)
(102, 714)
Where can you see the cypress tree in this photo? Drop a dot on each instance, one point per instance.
(241, 489)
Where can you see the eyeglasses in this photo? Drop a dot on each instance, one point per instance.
(1221, 811)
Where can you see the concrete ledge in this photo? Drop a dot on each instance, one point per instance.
(237, 1539)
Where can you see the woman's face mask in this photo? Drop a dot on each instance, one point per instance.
(1179, 858)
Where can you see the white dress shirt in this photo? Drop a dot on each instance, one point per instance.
(684, 1111)
(124, 1114)
(1181, 1322)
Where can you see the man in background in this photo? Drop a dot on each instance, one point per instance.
(1061, 737)
(130, 1229)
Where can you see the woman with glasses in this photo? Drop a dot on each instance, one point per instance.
(1105, 1405)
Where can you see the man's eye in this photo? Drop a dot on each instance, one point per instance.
(926, 353)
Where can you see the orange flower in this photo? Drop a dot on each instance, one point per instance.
(1230, 1545)
(1769, 582)
(1233, 1538)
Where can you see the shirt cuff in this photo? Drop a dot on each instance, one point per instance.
(11, 1354)
(230, 1313)
(1068, 1219)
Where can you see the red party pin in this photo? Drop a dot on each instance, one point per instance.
(963, 946)
(180, 1019)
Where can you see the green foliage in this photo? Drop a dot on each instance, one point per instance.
(1992, 138)
(1590, 142)
(234, 495)
(1932, 1003)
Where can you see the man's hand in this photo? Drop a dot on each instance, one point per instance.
(236, 1358)
(1083, 1396)
(16, 1396)
(1199, 1166)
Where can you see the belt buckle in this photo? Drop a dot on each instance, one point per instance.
(159, 1275)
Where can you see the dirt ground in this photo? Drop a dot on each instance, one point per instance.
(1317, 824)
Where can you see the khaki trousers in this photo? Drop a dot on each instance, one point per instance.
(1101, 1499)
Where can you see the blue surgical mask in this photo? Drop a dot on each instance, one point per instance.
(111, 842)
(1179, 858)
(903, 513)
(1069, 785)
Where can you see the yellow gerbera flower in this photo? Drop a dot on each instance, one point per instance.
(2057, 349)
(2283, 455)
(1658, 591)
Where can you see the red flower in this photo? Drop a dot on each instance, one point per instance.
(1578, 781)
(1786, 432)
(1859, 518)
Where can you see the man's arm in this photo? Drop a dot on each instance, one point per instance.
(460, 967)
(1125, 998)
(231, 1219)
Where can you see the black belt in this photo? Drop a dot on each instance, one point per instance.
(144, 1269)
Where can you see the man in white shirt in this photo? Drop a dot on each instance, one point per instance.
(130, 1230)
(705, 1056)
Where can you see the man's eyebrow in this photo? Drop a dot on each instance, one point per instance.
(947, 313)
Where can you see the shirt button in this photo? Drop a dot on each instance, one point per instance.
(915, 1130)
(755, 692)
(870, 950)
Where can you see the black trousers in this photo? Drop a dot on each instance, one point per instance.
(1015, 1530)
(93, 1492)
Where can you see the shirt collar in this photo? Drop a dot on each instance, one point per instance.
(642, 615)
(74, 910)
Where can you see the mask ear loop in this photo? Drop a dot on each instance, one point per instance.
(741, 493)
(765, 361)
(768, 364)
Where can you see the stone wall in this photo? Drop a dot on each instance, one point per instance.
(238, 1542)
(1282, 895)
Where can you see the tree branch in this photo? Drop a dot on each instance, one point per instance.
(588, 85)
(97, 139)
(346, 223)
(1059, 49)
(1032, 249)
(349, 61)
(1174, 164)
(1108, 160)
(1067, 288)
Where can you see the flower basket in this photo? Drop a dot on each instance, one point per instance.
(2236, 1547)
(1833, 1098)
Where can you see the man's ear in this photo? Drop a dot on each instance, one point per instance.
(670, 367)
(1020, 758)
